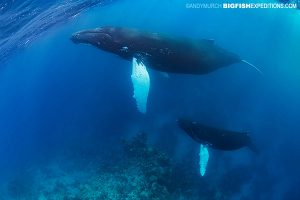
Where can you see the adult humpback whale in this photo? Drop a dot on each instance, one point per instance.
(159, 52)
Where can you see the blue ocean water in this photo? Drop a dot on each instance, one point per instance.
(66, 109)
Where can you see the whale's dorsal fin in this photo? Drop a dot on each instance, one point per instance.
(141, 84)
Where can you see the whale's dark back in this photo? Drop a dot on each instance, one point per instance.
(161, 52)
(183, 55)
(216, 138)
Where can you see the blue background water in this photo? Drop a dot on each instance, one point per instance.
(59, 98)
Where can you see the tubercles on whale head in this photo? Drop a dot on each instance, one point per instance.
(103, 38)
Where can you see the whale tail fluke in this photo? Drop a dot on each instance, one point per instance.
(253, 66)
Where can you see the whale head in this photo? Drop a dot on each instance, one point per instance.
(192, 129)
(106, 38)
(184, 124)
(188, 127)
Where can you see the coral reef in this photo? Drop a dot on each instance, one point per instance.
(140, 171)
(144, 172)
(141, 174)
(19, 187)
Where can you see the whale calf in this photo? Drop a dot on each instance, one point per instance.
(158, 52)
(216, 138)
(211, 137)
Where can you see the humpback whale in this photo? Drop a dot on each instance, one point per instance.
(211, 137)
(216, 138)
(158, 52)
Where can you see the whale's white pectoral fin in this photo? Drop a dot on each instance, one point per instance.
(141, 84)
(204, 156)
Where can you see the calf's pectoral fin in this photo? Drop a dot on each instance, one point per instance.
(203, 158)
(141, 84)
